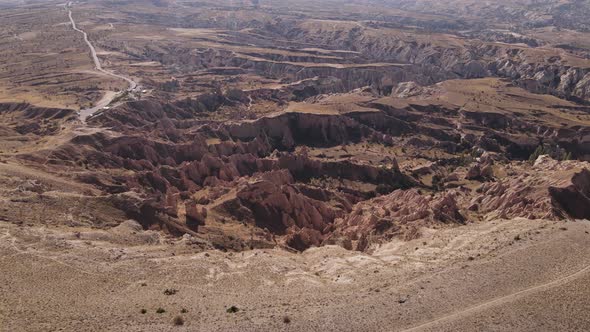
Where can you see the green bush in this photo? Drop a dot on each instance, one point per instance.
(554, 152)
(232, 310)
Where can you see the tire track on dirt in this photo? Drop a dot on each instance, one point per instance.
(500, 300)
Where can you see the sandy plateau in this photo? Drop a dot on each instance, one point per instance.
(463, 279)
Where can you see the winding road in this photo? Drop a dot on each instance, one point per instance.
(109, 96)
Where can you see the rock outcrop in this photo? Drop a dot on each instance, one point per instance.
(301, 179)
(573, 199)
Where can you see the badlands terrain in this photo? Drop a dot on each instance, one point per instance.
(179, 165)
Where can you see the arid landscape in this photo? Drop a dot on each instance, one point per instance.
(179, 165)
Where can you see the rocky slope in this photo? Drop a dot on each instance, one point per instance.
(380, 168)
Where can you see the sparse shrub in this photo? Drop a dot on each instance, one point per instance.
(232, 310)
(539, 151)
(286, 320)
(466, 159)
(554, 152)
(437, 182)
(143, 311)
(170, 291)
(160, 310)
(178, 320)
(383, 189)
(236, 95)
(170, 86)
(183, 310)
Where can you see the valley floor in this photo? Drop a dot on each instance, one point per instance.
(514, 275)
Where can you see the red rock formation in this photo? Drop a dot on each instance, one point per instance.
(195, 216)
(396, 214)
(248, 172)
(280, 207)
(573, 199)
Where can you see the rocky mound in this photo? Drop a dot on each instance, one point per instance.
(27, 119)
(549, 189)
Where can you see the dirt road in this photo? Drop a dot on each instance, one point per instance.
(499, 301)
(109, 96)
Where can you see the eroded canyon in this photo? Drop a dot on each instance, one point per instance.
(344, 132)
